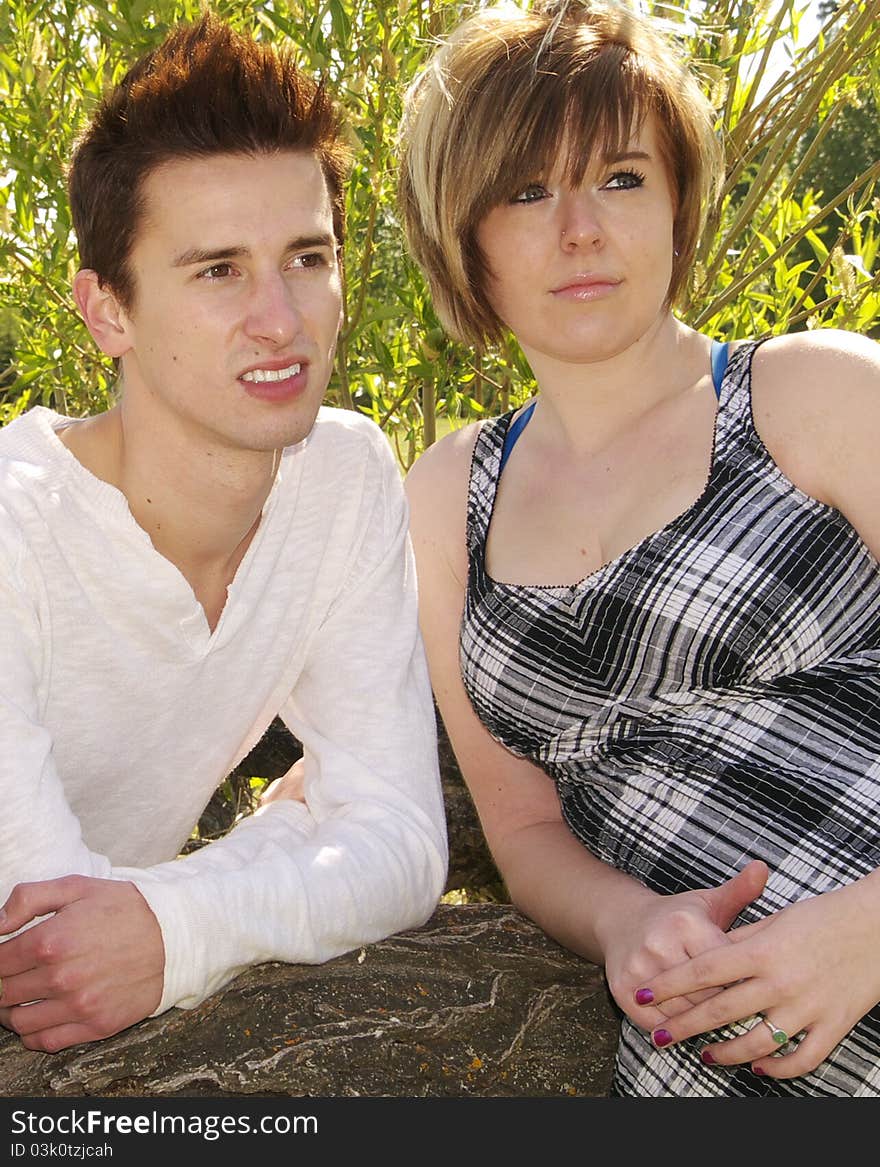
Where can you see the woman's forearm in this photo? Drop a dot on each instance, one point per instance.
(554, 880)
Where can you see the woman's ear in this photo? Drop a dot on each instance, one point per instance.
(104, 316)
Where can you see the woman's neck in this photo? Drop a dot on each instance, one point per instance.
(586, 406)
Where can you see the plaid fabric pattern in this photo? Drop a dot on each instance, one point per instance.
(708, 697)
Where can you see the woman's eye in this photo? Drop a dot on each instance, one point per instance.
(533, 193)
(625, 180)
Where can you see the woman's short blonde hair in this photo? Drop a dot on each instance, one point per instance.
(491, 108)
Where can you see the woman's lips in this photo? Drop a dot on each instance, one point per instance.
(586, 288)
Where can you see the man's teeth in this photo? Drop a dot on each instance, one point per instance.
(260, 375)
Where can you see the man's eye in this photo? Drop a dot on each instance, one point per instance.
(217, 271)
(625, 180)
(533, 193)
(310, 259)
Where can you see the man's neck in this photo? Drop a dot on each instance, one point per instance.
(200, 506)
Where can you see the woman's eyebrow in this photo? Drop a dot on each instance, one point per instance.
(631, 156)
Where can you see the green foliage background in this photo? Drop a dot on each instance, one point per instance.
(792, 243)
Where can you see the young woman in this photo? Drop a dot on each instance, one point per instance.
(650, 597)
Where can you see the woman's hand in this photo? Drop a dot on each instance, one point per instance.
(656, 933)
(811, 971)
(290, 785)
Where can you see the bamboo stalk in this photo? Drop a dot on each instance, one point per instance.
(733, 290)
(754, 240)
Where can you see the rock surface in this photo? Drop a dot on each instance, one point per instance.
(477, 1003)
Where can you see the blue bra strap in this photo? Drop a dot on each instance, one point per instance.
(519, 423)
(515, 428)
(719, 364)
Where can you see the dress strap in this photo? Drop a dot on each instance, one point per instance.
(720, 354)
(515, 428)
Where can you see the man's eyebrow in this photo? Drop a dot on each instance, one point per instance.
(208, 255)
(195, 255)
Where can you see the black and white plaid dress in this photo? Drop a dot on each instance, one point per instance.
(709, 697)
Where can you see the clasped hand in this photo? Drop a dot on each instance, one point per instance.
(92, 967)
(811, 969)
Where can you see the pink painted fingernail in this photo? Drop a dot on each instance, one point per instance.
(644, 997)
(661, 1037)
(760, 1072)
(706, 1057)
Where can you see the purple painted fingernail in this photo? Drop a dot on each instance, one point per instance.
(706, 1057)
(757, 1070)
(661, 1037)
(644, 997)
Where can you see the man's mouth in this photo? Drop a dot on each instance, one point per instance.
(260, 376)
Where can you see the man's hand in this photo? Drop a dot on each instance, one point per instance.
(94, 966)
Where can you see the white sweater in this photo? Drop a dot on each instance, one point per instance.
(120, 712)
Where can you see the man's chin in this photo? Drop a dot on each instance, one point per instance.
(282, 431)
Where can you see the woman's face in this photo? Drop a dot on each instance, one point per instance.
(578, 275)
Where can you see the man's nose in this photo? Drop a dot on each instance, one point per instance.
(273, 315)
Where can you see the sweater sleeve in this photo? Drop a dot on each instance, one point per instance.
(40, 836)
(365, 856)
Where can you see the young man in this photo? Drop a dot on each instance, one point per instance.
(212, 551)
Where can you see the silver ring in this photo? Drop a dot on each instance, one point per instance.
(778, 1035)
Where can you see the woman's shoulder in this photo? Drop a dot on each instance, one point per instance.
(437, 491)
(822, 381)
(821, 362)
(443, 470)
(816, 404)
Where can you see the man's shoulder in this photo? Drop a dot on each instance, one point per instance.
(340, 435)
(27, 458)
(26, 441)
(333, 419)
(24, 425)
(24, 482)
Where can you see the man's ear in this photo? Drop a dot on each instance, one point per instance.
(340, 260)
(104, 316)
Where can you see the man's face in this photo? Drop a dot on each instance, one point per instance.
(237, 300)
